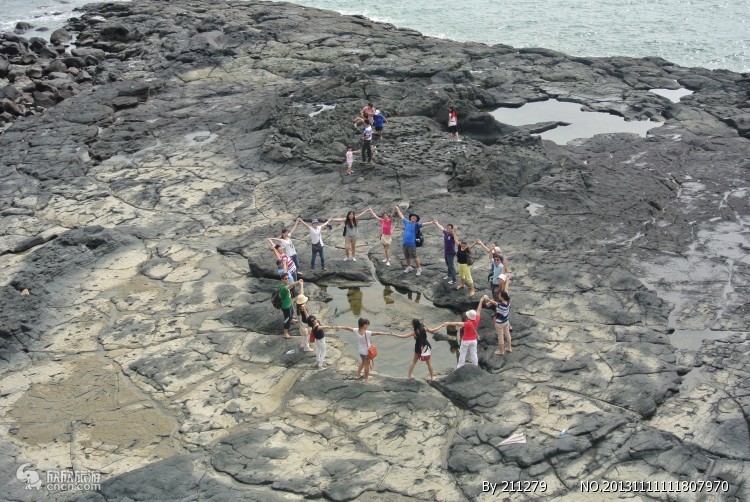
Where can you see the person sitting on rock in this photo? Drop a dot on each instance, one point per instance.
(422, 347)
(378, 121)
(286, 301)
(409, 240)
(351, 232)
(316, 239)
(469, 340)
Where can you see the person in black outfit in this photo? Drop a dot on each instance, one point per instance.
(422, 347)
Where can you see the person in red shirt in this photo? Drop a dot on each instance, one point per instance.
(469, 340)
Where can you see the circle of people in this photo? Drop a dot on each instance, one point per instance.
(455, 250)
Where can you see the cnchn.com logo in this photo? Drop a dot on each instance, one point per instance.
(60, 480)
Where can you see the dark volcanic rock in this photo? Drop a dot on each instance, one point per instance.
(178, 136)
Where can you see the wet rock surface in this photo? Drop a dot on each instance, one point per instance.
(143, 170)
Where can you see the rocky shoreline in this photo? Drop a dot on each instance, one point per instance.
(177, 137)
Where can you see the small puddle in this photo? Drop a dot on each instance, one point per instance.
(687, 339)
(674, 95)
(389, 309)
(582, 124)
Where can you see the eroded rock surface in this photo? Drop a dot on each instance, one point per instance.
(142, 171)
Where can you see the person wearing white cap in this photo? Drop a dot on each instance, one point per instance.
(377, 123)
(367, 144)
(499, 274)
(469, 340)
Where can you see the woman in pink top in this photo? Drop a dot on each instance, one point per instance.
(469, 341)
(386, 231)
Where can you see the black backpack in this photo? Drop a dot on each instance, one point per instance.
(276, 299)
(469, 257)
(419, 240)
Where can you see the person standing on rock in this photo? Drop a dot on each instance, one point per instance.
(378, 121)
(304, 316)
(367, 144)
(453, 123)
(469, 340)
(422, 347)
(449, 250)
(499, 274)
(320, 339)
(316, 239)
(386, 235)
(368, 111)
(289, 266)
(464, 259)
(351, 232)
(502, 322)
(364, 342)
(409, 240)
(349, 160)
(286, 301)
(288, 245)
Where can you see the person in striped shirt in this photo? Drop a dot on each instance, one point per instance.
(502, 322)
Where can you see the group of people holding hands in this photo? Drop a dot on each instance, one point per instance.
(455, 250)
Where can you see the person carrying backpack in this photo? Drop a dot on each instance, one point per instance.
(412, 228)
(285, 301)
(499, 274)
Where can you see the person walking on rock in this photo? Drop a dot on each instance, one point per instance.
(378, 121)
(453, 123)
(502, 322)
(386, 235)
(367, 144)
(351, 232)
(422, 347)
(288, 245)
(316, 239)
(409, 240)
(469, 340)
(449, 250)
(464, 259)
(304, 316)
(286, 301)
(364, 342)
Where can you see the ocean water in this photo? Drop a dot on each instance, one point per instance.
(706, 33)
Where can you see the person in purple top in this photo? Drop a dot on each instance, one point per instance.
(449, 249)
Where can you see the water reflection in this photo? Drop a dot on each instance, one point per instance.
(581, 124)
(392, 309)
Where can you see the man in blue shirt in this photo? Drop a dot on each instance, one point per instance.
(377, 123)
(409, 241)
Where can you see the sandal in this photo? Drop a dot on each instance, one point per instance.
(287, 337)
(498, 353)
(461, 287)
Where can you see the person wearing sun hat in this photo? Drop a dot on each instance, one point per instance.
(304, 315)
(470, 338)
(377, 123)
(409, 240)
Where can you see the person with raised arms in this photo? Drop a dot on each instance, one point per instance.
(449, 250)
(288, 245)
(316, 239)
(422, 347)
(386, 234)
(351, 232)
(469, 340)
(364, 341)
(409, 240)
